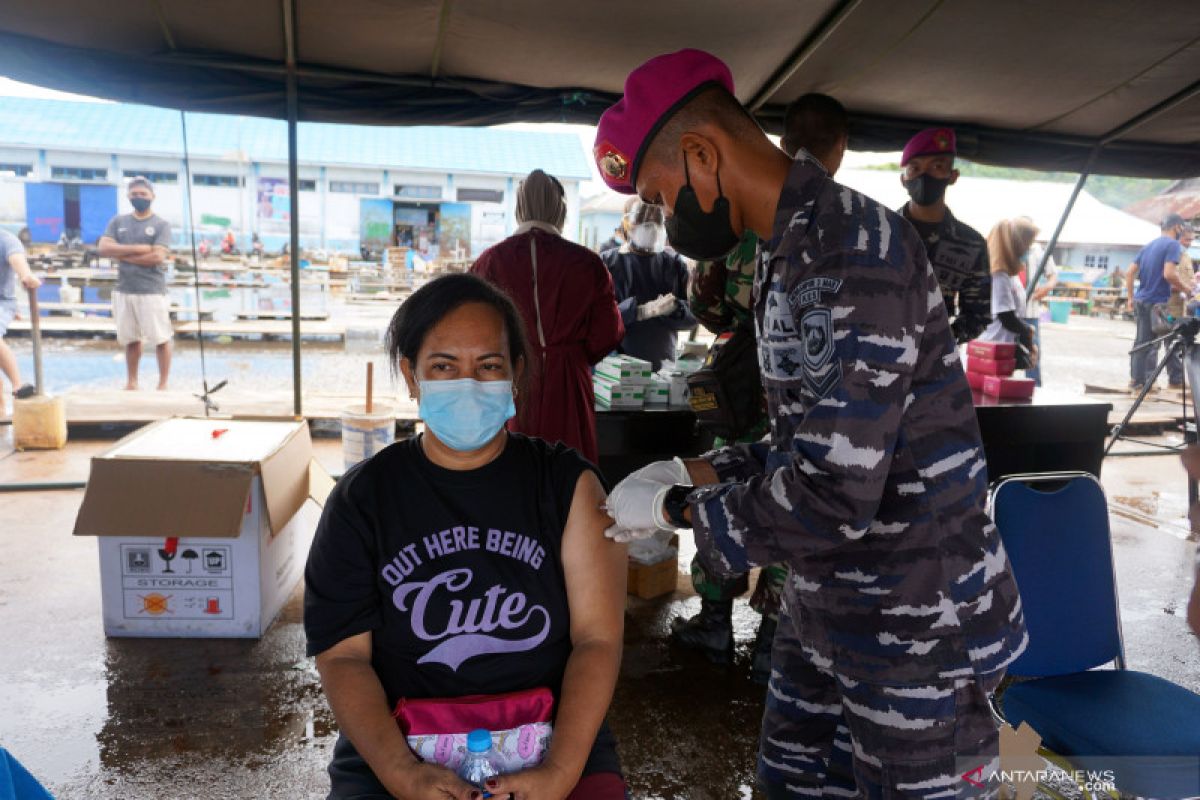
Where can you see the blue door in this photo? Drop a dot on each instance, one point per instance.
(97, 205)
(44, 211)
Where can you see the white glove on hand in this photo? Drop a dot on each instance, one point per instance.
(636, 506)
(661, 306)
(668, 473)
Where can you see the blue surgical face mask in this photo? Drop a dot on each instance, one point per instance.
(465, 414)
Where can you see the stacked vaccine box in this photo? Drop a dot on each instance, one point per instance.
(622, 382)
(990, 367)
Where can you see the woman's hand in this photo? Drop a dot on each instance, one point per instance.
(545, 782)
(423, 781)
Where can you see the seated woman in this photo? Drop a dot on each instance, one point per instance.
(466, 561)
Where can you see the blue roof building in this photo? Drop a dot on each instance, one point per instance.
(445, 189)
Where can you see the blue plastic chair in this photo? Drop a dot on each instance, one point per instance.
(15, 781)
(1055, 529)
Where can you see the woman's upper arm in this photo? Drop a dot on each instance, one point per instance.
(341, 597)
(352, 648)
(594, 567)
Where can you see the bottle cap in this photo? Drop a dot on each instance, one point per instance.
(479, 740)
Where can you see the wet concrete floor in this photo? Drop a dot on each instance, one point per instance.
(172, 718)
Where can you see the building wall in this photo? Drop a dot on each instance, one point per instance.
(597, 227)
(1107, 257)
(328, 219)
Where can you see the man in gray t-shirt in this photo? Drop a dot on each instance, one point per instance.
(140, 242)
(13, 269)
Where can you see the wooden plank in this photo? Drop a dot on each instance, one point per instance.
(85, 307)
(262, 328)
(265, 314)
(67, 325)
(102, 406)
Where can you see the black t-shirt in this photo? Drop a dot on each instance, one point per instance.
(457, 575)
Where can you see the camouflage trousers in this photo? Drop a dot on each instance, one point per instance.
(767, 591)
(825, 735)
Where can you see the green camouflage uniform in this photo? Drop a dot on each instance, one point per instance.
(721, 298)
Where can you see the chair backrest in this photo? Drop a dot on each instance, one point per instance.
(1055, 529)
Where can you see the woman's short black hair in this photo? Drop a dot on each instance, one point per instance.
(430, 304)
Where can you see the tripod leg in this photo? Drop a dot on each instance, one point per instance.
(1146, 387)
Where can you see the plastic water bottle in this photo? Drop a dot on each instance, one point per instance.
(481, 763)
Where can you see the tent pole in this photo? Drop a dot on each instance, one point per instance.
(815, 39)
(289, 30)
(1062, 221)
(1116, 133)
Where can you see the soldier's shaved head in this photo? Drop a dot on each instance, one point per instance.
(715, 107)
(817, 123)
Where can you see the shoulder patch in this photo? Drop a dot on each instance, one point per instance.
(816, 328)
(822, 372)
(808, 292)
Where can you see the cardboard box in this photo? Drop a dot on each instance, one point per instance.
(625, 370)
(613, 394)
(658, 391)
(203, 525)
(648, 581)
(679, 389)
(988, 366)
(1009, 388)
(996, 351)
(976, 379)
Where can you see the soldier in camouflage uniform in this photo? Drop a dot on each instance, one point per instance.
(957, 251)
(900, 613)
(721, 300)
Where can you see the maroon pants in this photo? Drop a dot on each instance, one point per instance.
(599, 786)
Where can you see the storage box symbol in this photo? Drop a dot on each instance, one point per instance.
(214, 560)
(139, 560)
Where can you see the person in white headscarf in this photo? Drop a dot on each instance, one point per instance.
(565, 296)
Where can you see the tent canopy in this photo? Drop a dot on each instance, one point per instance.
(1027, 83)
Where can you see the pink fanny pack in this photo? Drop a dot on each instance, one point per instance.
(520, 724)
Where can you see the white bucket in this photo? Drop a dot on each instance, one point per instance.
(363, 434)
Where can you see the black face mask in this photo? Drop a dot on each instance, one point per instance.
(698, 234)
(926, 190)
(140, 204)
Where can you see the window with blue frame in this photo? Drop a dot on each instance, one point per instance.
(416, 191)
(154, 177)
(480, 196)
(79, 173)
(353, 187)
(216, 180)
(20, 170)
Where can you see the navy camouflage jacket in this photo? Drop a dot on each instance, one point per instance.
(872, 483)
(959, 257)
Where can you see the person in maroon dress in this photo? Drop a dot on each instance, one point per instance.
(565, 295)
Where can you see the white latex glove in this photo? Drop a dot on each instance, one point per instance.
(666, 472)
(659, 307)
(636, 506)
